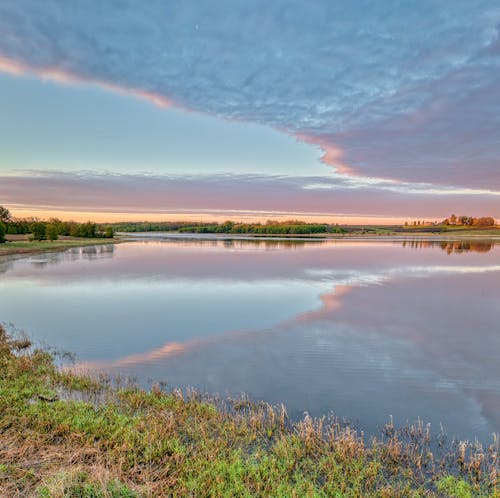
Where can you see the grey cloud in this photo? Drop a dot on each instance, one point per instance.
(382, 80)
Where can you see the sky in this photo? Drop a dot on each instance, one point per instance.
(360, 111)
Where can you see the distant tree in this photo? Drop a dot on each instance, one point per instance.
(38, 230)
(64, 228)
(453, 219)
(227, 226)
(87, 230)
(5, 216)
(464, 220)
(109, 233)
(59, 226)
(51, 232)
(19, 226)
(73, 229)
(3, 230)
(485, 221)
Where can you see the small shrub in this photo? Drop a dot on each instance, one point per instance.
(454, 488)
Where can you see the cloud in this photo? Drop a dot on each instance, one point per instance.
(234, 196)
(387, 89)
(63, 76)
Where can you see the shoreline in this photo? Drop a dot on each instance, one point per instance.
(86, 434)
(22, 247)
(131, 236)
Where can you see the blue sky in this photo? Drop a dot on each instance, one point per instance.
(83, 127)
(339, 109)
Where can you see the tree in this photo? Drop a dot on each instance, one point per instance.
(5, 216)
(51, 232)
(2, 232)
(453, 219)
(87, 230)
(485, 221)
(58, 225)
(109, 232)
(227, 226)
(38, 230)
(73, 229)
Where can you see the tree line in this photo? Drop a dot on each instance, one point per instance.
(296, 227)
(484, 221)
(291, 227)
(454, 220)
(147, 226)
(270, 227)
(51, 229)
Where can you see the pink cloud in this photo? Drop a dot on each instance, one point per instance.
(63, 76)
(136, 194)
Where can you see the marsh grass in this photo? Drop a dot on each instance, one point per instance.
(64, 434)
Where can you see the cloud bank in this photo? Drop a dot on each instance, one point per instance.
(234, 196)
(389, 89)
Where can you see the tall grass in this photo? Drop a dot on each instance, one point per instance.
(63, 434)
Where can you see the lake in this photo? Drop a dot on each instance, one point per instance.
(366, 329)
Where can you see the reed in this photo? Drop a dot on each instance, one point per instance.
(67, 434)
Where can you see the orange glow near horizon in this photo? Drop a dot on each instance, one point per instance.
(247, 217)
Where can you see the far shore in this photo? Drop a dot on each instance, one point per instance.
(452, 235)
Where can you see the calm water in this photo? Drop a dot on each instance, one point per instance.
(366, 329)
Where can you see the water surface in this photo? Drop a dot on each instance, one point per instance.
(366, 329)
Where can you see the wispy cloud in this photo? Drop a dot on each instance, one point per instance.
(233, 195)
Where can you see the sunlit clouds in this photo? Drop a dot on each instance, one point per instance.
(229, 196)
(359, 108)
(62, 76)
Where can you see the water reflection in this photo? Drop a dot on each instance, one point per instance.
(452, 246)
(237, 243)
(364, 328)
(5, 265)
(73, 254)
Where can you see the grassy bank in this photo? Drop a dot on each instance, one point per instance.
(20, 245)
(68, 435)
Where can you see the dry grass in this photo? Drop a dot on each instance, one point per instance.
(66, 435)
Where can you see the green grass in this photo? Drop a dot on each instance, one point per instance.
(63, 434)
(33, 247)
